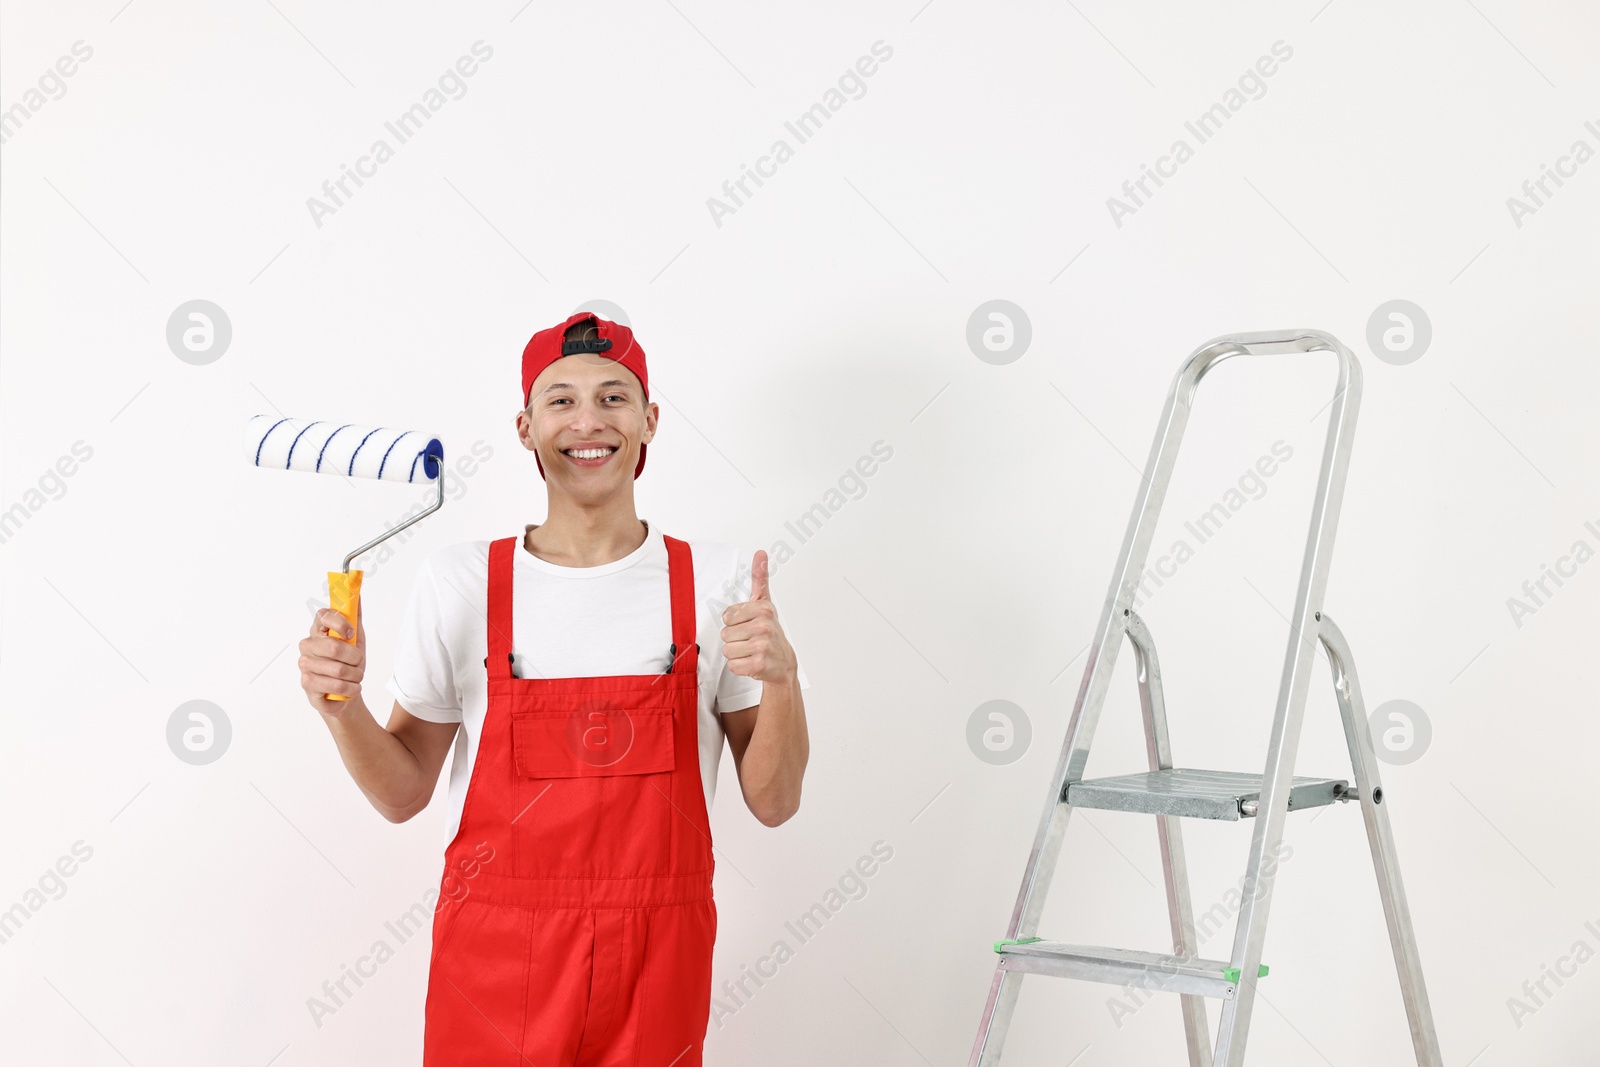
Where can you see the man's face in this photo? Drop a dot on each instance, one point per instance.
(587, 404)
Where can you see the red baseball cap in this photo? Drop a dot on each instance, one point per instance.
(615, 342)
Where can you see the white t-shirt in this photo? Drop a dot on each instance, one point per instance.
(567, 622)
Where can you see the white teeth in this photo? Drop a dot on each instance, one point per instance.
(590, 453)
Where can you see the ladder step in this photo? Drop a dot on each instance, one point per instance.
(1198, 794)
(1123, 966)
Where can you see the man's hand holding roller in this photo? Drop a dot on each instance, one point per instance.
(395, 767)
(330, 664)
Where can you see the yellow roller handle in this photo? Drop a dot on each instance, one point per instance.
(344, 596)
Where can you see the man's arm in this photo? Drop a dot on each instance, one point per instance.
(396, 767)
(769, 741)
(770, 749)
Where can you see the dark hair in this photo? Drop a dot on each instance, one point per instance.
(581, 331)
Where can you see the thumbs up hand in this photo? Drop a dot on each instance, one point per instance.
(752, 641)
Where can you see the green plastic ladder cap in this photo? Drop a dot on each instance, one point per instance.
(1232, 973)
(1021, 941)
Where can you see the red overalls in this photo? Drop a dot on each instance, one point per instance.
(583, 924)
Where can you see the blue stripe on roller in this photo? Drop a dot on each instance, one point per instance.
(331, 436)
(403, 435)
(289, 461)
(264, 437)
(357, 452)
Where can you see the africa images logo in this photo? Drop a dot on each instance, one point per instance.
(600, 732)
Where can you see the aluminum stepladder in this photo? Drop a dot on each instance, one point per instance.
(1171, 794)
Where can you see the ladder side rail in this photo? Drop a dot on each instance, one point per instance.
(1174, 863)
(1277, 776)
(1097, 669)
(1385, 858)
(997, 1012)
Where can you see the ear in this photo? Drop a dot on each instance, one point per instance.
(524, 426)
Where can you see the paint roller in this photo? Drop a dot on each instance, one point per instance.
(353, 451)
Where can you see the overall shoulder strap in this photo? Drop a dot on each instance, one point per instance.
(502, 556)
(680, 572)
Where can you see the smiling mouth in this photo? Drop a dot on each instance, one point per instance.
(589, 457)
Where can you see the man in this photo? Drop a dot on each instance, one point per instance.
(590, 672)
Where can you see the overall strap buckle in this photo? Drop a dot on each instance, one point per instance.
(509, 660)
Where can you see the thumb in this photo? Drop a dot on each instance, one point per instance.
(758, 577)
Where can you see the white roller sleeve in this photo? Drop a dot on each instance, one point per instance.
(342, 448)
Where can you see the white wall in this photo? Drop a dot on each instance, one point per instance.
(828, 312)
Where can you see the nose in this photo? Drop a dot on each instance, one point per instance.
(585, 417)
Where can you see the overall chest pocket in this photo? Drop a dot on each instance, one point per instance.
(595, 739)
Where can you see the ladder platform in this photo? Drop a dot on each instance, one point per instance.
(1198, 794)
(1123, 966)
